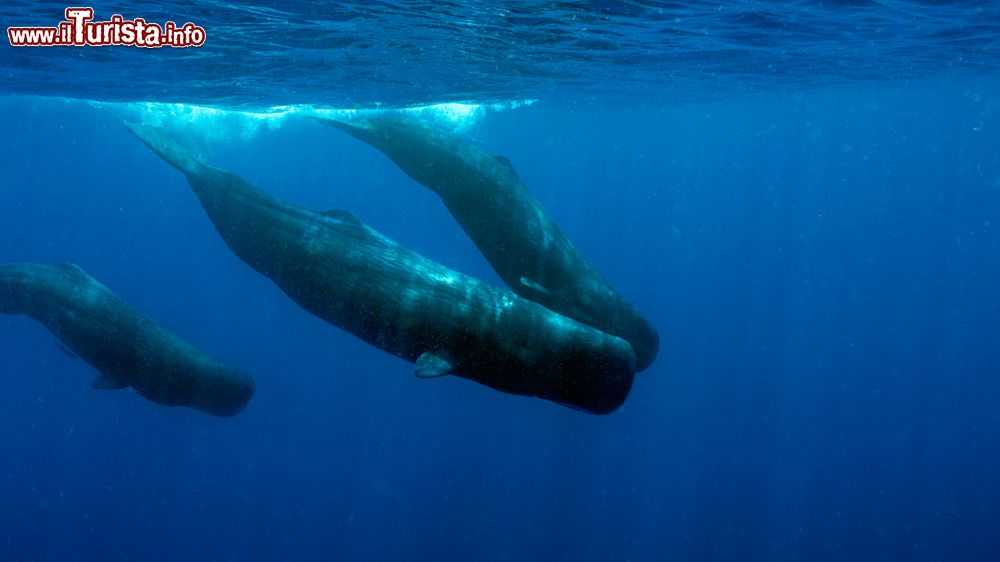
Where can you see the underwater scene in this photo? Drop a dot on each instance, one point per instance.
(455, 281)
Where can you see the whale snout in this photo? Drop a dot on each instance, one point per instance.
(598, 379)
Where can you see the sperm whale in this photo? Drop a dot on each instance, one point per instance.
(508, 224)
(341, 270)
(128, 349)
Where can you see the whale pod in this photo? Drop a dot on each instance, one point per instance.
(129, 349)
(341, 270)
(508, 224)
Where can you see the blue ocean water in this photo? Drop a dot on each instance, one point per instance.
(804, 200)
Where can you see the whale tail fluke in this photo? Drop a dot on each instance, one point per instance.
(343, 125)
(160, 142)
(358, 128)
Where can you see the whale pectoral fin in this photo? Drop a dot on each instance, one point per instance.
(343, 216)
(430, 365)
(108, 382)
(69, 352)
(536, 287)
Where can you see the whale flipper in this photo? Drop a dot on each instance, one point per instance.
(536, 287)
(69, 352)
(108, 382)
(430, 365)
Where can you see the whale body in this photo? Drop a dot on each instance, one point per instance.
(341, 270)
(508, 224)
(129, 349)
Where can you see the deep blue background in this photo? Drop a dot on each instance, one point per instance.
(823, 268)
